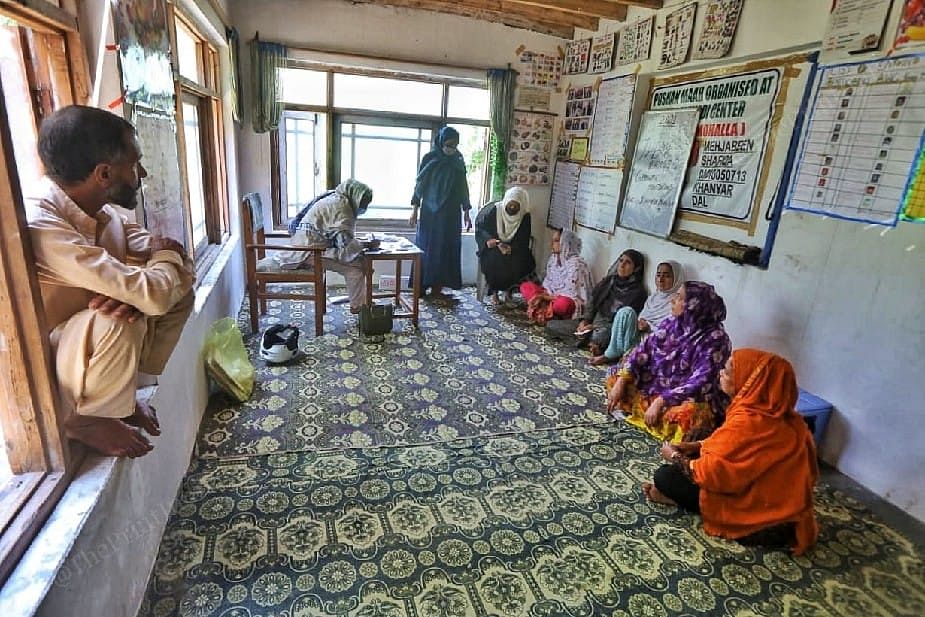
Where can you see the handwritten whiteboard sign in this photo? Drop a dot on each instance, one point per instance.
(597, 198)
(659, 164)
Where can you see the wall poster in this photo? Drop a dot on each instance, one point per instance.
(144, 53)
(597, 198)
(865, 127)
(540, 70)
(577, 54)
(564, 190)
(663, 148)
(533, 97)
(911, 25)
(679, 27)
(615, 99)
(854, 26)
(602, 53)
(531, 145)
(913, 207)
(579, 109)
(732, 133)
(635, 44)
(720, 20)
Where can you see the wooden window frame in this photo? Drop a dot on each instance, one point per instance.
(39, 455)
(336, 115)
(211, 141)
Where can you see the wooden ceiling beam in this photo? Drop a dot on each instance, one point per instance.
(496, 11)
(592, 8)
(645, 4)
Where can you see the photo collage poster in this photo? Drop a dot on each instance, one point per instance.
(635, 44)
(679, 28)
(863, 137)
(602, 49)
(579, 110)
(721, 18)
(528, 159)
(539, 70)
(577, 55)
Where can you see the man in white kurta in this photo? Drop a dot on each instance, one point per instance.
(115, 297)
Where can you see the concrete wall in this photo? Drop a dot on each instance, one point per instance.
(107, 568)
(841, 300)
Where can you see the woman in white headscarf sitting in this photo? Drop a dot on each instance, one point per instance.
(669, 276)
(566, 286)
(668, 279)
(331, 219)
(502, 236)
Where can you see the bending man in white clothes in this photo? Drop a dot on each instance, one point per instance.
(115, 297)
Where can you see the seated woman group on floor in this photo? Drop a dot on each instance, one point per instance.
(736, 450)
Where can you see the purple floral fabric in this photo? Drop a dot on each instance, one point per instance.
(682, 359)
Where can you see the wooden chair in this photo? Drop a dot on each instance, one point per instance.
(255, 248)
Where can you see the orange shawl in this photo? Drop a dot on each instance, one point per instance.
(758, 469)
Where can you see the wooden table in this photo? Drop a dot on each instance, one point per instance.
(407, 308)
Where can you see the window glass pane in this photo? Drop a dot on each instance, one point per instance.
(303, 167)
(382, 94)
(194, 171)
(188, 54)
(468, 103)
(387, 164)
(19, 106)
(303, 87)
(473, 145)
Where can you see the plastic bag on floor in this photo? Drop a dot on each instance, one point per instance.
(226, 359)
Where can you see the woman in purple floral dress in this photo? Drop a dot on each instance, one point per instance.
(669, 385)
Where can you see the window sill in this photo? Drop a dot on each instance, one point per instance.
(43, 562)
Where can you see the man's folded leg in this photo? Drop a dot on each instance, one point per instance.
(96, 362)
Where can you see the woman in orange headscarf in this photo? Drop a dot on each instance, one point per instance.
(752, 479)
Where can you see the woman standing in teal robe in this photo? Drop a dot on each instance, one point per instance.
(440, 193)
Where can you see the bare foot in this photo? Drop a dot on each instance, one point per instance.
(594, 349)
(598, 360)
(107, 436)
(354, 310)
(655, 495)
(145, 418)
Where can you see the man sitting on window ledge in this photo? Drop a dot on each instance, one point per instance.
(115, 297)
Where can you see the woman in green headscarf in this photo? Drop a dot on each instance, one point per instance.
(331, 219)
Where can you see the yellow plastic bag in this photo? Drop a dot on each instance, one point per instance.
(226, 359)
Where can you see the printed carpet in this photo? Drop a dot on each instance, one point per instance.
(539, 522)
(465, 373)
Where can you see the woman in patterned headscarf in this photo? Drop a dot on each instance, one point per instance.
(752, 479)
(331, 219)
(441, 192)
(669, 384)
(566, 286)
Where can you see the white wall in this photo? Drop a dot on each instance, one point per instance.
(106, 570)
(841, 300)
